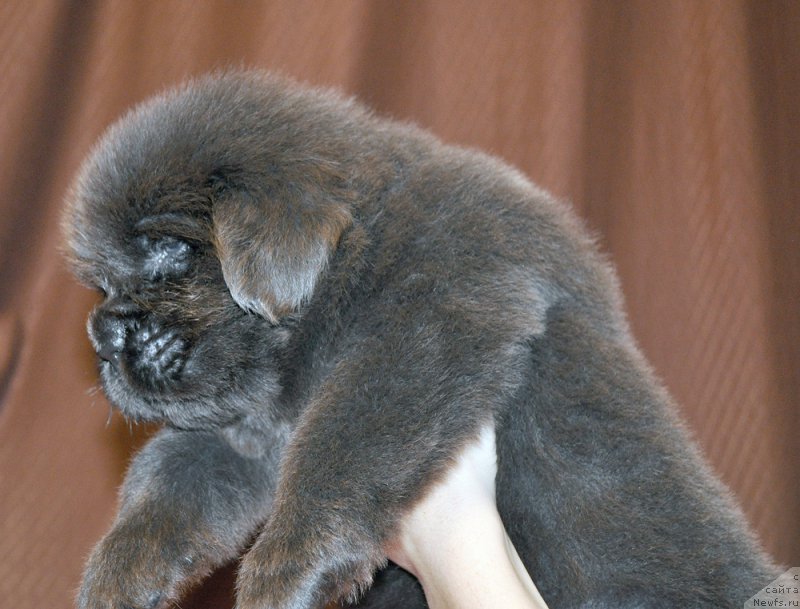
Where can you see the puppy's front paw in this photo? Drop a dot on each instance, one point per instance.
(139, 564)
(303, 572)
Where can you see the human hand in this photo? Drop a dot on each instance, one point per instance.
(454, 542)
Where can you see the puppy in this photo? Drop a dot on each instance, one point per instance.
(323, 308)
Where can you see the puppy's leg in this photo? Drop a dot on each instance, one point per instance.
(602, 492)
(384, 427)
(189, 503)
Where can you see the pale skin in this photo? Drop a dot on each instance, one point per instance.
(454, 542)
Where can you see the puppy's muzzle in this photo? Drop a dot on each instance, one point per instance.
(135, 343)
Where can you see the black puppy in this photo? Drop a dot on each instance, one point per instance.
(324, 307)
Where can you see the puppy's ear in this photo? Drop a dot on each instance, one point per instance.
(274, 241)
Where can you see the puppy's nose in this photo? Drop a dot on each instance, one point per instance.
(108, 330)
(109, 352)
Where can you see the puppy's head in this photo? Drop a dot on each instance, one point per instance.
(206, 218)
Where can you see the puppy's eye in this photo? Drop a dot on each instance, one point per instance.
(165, 256)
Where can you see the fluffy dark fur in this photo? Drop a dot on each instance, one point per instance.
(323, 307)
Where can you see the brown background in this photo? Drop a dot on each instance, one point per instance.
(673, 127)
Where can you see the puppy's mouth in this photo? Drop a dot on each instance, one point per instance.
(188, 373)
(150, 356)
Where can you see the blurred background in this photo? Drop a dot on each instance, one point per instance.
(672, 127)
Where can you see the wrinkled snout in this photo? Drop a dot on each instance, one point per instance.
(147, 351)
